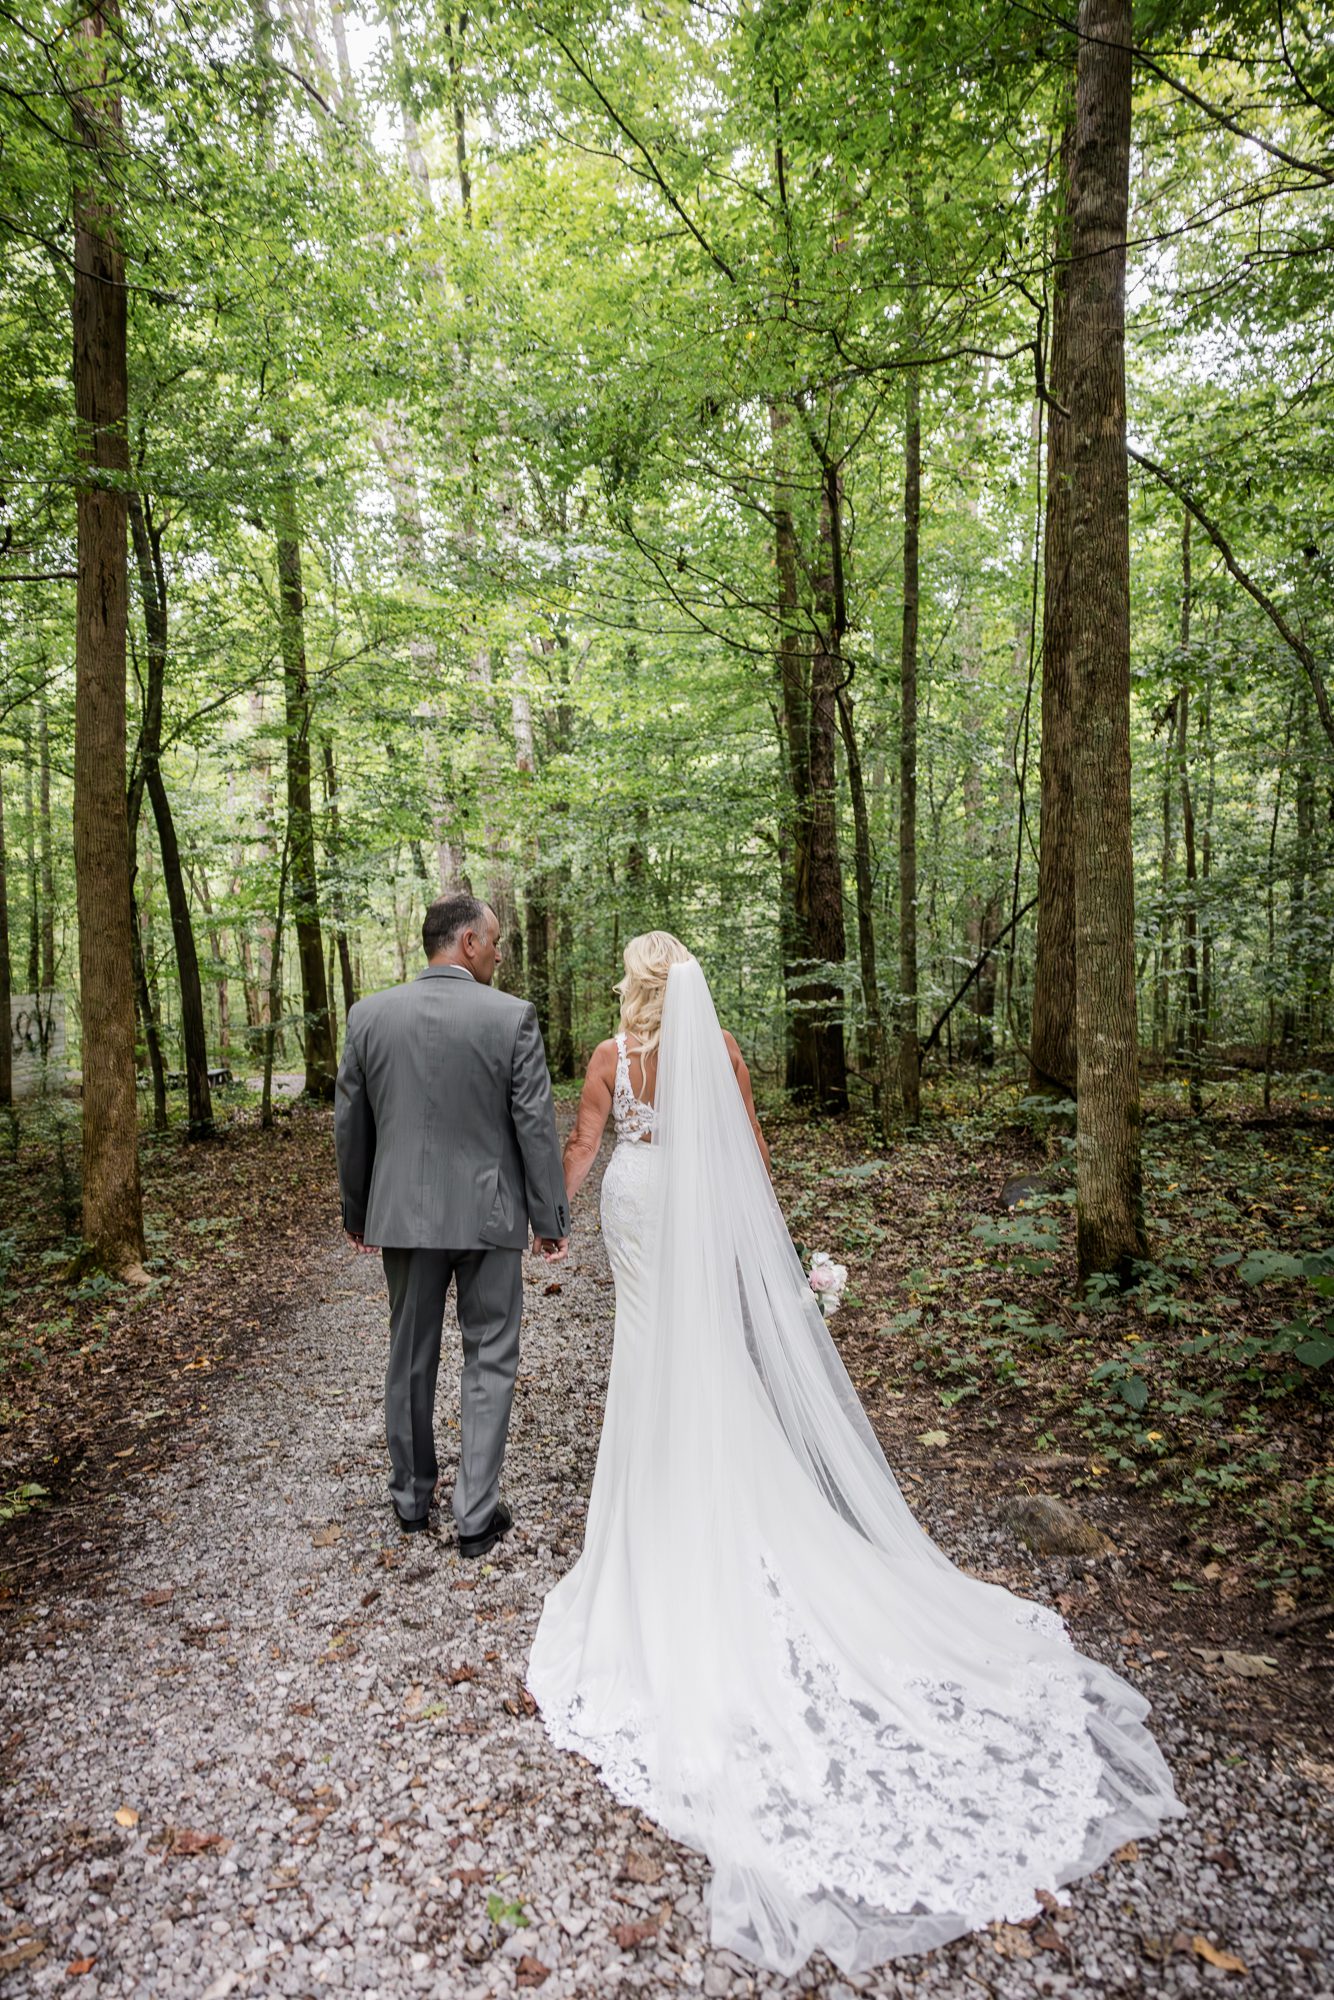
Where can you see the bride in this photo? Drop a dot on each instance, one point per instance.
(759, 1647)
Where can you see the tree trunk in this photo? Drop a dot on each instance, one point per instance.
(346, 80)
(1304, 880)
(1162, 999)
(820, 896)
(48, 920)
(562, 1057)
(143, 995)
(34, 968)
(1189, 926)
(218, 960)
(794, 738)
(275, 995)
(909, 1052)
(304, 888)
(112, 1220)
(6, 990)
(337, 902)
(1052, 1061)
(1206, 858)
(1190, 922)
(194, 1032)
(1109, 1184)
(876, 1048)
(537, 950)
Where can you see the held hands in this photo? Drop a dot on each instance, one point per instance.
(360, 1245)
(553, 1249)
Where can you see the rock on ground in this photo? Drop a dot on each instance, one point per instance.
(285, 1750)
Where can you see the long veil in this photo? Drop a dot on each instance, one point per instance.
(762, 1649)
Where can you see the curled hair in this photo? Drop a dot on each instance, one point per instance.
(648, 960)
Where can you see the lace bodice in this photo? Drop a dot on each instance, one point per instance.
(634, 1120)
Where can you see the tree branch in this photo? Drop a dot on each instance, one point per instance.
(999, 938)
(1253, 590)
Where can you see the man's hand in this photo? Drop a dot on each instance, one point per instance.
(359, 1243)
(553, 1249)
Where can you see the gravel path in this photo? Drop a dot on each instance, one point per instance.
(285, 1750)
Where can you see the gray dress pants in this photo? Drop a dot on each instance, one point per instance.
(490, 1306)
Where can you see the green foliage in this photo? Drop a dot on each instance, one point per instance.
(20, 1500)
(500, 1912)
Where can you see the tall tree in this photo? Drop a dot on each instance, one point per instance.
(146, 534)
(317, 1029)
(113, 1228)
(46, 865)
(1110, 1199)
(910, 1058)
(819, 869)
(1052, 1065)
(6, 994)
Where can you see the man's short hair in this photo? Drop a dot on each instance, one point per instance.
(449, 915)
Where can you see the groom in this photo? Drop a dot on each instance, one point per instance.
(447, 1148)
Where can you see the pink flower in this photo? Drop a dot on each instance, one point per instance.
(827, 1280)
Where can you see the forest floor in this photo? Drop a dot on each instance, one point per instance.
(254, 1741)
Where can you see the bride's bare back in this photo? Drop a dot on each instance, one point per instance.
(596, 1099)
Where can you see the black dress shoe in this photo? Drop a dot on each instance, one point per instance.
(500, 1524)
(419, 1526)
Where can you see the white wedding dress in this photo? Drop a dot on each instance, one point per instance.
(759, 1647)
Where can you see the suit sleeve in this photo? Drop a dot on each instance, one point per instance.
(354, 1133)
(534, 1115)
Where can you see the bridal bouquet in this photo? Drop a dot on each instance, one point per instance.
(827, 1280)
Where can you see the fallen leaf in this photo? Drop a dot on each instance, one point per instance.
(1212, 1571)
(643, 1868)
(415, 1701)
(554, 1287)
(1162, 1946)
(1130, 1852)
(369, 1599)
(530, 1971)
(21, 1954)
(324, 1538)
(457, 1675)
(934, 1437)
(126, 1816)
(1210, 1953)
(78, 1966)
(1246, 1666)
(1011, 1941)
(630, 1936)
(185, 1840)
(469, 1877)
(152, 1599)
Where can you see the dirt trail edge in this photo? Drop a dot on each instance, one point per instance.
(285, 1750)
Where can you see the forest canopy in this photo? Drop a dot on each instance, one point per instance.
(627, 461)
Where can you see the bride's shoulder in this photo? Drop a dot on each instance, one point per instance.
(603, 1059)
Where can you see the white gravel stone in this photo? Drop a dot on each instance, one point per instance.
(293, 1702)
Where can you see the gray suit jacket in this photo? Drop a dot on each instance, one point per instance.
(443, 1119)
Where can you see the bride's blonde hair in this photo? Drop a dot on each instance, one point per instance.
(648, 960)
